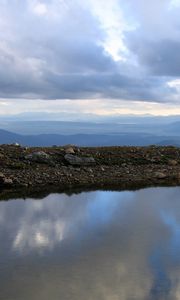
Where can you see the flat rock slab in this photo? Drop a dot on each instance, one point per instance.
(79, 161)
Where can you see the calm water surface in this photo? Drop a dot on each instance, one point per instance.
(91, 246)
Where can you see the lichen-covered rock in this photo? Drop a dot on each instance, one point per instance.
(80, 161)
(39, 157)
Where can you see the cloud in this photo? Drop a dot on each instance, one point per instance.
(160, 57)
(40, 9)
(113, 85)
(76, 50)
(155, 40)
(48, 48)
(112, 241)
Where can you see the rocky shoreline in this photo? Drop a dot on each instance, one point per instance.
(84, 167)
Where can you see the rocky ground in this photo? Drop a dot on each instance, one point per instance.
(103, 167)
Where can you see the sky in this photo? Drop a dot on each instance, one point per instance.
(94, 56)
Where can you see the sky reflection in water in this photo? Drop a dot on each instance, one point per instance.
(96, 245)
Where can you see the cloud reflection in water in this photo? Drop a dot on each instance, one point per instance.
(97, 245)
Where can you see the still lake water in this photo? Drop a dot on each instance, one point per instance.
(91, 246)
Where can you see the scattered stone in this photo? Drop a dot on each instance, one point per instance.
(8, 181)
(160, 175)
(4, 180)
(24, 185)
(100, 166)
(91, 175)
(2, 175)
(124, 165)
(172, 162)
(79, 161)
(69, 150)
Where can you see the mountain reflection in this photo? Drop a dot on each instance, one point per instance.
(96, 245)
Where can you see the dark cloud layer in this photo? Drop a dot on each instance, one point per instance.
(55, 50)
(160, 57)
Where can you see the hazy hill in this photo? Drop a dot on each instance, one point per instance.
(136, 139)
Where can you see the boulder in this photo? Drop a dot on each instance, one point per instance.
(69, 150)
(39, 157)
(79, 161)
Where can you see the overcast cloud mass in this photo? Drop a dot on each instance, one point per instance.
(118, 50)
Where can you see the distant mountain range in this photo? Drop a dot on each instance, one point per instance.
(35, 130)
(136, 139)
(65, 128)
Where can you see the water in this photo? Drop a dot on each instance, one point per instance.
(91, 246)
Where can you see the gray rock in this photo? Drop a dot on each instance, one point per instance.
(102, 169)
(2, 175)
(79, 161)
(39, 157)
(160, 175)
(8, 181)
(5, 180)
